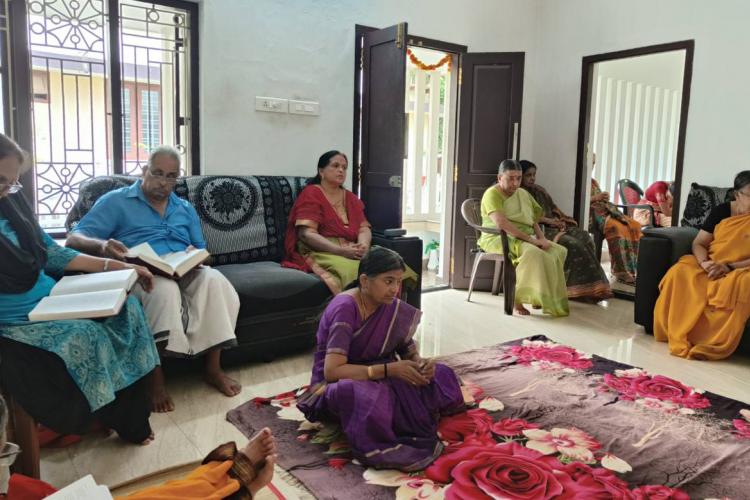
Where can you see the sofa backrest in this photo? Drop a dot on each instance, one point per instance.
(243, 218)
(700, 201)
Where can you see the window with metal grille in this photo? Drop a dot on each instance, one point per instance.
(107, 82)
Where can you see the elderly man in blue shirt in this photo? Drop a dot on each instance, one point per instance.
(199, 311)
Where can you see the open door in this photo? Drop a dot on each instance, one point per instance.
(383, 125)
(489, 131)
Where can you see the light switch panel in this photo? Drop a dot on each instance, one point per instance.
(271, 104)
(311, 108)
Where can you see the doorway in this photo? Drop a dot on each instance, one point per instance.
(634, 107)
(430, 104)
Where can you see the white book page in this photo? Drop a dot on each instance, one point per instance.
(95, 282)
(182, 262)
(83, 489)
(79, 305)
(149, 256)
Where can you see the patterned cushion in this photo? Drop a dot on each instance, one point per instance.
(700, 202)
(243, 217)
(90, 191)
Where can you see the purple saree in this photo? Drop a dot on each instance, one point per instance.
(389, 423)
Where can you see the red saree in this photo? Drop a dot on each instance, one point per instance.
(312, 209)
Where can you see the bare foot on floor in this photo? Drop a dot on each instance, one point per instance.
(265, 475)
(149, 439)
(260, 446)
(225, 384)
(520, 310)
(161, 401)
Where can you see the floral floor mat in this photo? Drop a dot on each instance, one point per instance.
(547, 421)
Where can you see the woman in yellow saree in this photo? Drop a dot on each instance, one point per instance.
(540, 277)
(704, 302)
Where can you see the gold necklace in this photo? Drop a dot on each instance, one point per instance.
(363, 308)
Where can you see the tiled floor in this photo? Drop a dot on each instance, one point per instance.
(449, 325)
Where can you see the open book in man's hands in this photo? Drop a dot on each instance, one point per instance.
(173, 265)
(83, 296)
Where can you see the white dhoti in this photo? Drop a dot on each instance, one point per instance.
(199, 311)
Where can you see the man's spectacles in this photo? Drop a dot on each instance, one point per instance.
(11, 188)
(164, 178)
(8, 454)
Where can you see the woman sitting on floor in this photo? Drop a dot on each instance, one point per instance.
(584, 275)
(368, 375)
(703, 303)
(328, 232)
(622, 233)
(66, 374)
(540, 278)
(659, 197)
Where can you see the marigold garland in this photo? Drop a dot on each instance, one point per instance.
(429, 67)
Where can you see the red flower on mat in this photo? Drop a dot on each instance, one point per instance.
(511, 427)
(591, 482)
(462, 426)
(741, 428)
(506, 470)
(655, 492)
(656, 387)
(337, 463)
(561, 355)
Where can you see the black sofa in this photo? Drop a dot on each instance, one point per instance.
(660, 248)
(244, 220)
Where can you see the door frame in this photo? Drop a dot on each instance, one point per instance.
(587, 67)
(417, 41)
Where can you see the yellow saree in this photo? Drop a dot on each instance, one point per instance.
(540, 276)
(702, 318)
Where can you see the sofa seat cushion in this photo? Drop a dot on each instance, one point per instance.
(266, 287)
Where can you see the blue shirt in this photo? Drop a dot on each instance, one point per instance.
(15, 307)
(126, 215)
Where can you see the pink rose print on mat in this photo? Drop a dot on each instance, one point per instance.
(509, 427)
(594, 483)
(549, 355)
(659, 493)
(572, 443)
(655, 387)
(741, 428)
(470, 424)
(506, 470)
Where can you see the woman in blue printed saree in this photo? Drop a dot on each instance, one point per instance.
(368, 376)
(67, 373)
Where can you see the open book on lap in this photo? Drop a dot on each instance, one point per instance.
(86, 296)
(173, 265)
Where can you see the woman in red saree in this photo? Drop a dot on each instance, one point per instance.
(328, 232)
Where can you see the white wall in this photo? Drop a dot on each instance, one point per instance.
(716, 144)
(305, 49)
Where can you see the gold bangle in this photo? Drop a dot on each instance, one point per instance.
(369, 372)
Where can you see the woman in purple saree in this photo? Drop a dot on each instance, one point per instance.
(368, 376)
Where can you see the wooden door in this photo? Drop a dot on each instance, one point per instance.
(489, 131)
(383, 125)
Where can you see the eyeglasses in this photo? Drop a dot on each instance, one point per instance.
(163, 178)
(8, 454)
(11, 188)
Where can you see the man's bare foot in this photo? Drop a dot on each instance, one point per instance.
(161, 401)
(520, 310)
(225, 384)
(264, 476)
(260, 446)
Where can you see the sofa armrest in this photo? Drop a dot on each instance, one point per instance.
(680, 238)
(659, 249)
(410, 249)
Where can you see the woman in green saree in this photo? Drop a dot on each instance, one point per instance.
(540, 278)
(584, 275)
